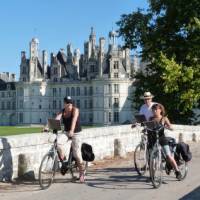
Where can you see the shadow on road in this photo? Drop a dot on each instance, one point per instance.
(117, 178)
(194, 195)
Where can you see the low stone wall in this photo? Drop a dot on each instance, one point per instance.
(28, 150)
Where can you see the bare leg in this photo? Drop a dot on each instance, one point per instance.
(173, 162)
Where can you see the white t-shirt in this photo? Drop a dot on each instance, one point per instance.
(145, 110)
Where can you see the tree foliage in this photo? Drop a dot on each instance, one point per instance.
(168, 33)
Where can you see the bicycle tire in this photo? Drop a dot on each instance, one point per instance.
(156, 166)
(47, 167)
(141, 169)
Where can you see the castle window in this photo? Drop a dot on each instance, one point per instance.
(90, 117)
(21, 104)
(116, 88)
(90, 104)
(40, 107)
(109, 88)
(116, 64)
(78, 91)
(92, 68)
(116, 102)
(109, 102)
(2, 105)
(109, 117)
(67, 92)
(85, 104)
(116, 75)
(72, 91)
(78, 103)
(8, 105)
(8, 87)
(116, 116)
(85, 91)
(54, 104)
(21, 118)
(54, 92)
(91, 90)
(55, 70)
(13, 105)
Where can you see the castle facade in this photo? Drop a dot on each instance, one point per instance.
(99, 82)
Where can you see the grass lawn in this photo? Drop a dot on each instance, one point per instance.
(16, 130)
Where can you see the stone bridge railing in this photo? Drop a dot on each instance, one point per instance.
(27, 150)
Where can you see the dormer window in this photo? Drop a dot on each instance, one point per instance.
(91, 68)
(116, 75)
(116, 64)
(55, 70)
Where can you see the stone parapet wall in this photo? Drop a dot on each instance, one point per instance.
(106, 142)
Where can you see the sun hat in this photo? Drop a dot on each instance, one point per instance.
(147, 95)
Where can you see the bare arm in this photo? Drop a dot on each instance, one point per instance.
(59, 116)
(168, 124)
(74, 120)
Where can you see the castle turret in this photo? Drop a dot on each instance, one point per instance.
(101, 55)
(69, 54)
(112, 40)
(127, 60)
(76, 60)
(92, 40)
(34, 51)
(44, 62)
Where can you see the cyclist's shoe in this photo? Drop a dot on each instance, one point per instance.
(178, 175)
(64, 168)
(168, 171)
(168, 168)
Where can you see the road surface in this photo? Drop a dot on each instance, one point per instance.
(111, 180)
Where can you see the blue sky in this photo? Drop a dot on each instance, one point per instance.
(55, 23)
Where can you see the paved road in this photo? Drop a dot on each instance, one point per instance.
(112, 180)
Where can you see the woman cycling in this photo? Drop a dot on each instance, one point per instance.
(71, 119)
(160, 118)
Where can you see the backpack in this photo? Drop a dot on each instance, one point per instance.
(183, 149)
(87, 152)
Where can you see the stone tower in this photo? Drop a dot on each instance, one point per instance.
(34, 48)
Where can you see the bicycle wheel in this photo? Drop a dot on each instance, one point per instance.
(47, 170)
(156, 168)
(183, 167)
(140, 159)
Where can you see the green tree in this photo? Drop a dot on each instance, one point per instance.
(168, 33)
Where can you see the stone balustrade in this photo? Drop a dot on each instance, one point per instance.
(28, 149)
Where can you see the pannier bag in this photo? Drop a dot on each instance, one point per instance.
(183, 149)
(87, 152)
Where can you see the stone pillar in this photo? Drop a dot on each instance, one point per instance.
(118, 148)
